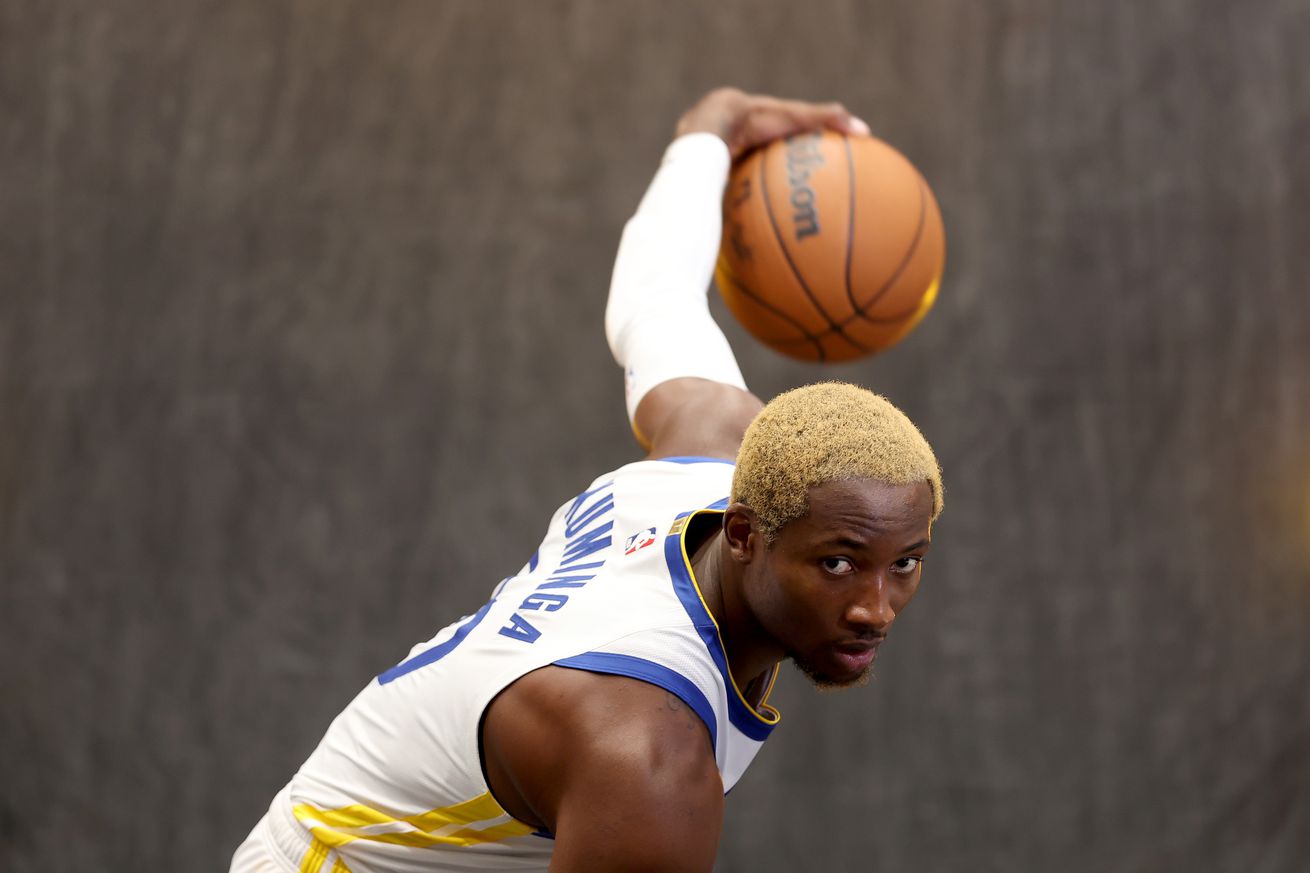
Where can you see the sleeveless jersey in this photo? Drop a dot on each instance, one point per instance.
(397, 784)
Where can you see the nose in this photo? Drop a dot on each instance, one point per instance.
(871, 611)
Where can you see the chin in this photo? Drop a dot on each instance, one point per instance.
(827, 680)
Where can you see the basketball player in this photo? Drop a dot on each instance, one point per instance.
(592, 715)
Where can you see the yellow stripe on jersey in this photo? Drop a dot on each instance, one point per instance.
(480, 808)
(456, 825)
(773, 680)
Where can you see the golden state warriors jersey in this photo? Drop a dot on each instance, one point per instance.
(397, 785)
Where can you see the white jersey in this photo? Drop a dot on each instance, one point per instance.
(397, 782)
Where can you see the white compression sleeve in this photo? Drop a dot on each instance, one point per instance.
(658, 320)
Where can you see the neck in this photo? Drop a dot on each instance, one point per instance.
(751, 652)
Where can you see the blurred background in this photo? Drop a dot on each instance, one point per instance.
(300, 346)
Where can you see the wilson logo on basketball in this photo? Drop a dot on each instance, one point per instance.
(803, 157)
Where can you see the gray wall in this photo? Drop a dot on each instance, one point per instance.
(300, 344)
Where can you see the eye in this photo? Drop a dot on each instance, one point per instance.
(906, 566)
(838, 566)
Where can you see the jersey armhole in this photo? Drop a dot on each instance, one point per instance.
(656, 674)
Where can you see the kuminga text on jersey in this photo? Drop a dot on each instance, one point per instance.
(586, 532)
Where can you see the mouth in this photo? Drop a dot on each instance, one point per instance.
(858, 656)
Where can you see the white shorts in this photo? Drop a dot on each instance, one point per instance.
(255, 855)
(274, 849)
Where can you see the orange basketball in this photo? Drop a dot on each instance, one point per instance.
(832, 246)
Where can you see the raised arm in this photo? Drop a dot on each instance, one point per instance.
(685, 392)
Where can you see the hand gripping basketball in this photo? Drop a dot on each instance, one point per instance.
(745, 121)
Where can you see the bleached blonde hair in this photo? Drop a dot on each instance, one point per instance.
(822, 433)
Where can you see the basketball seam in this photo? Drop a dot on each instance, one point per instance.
(834, 327)
(806, 336)
(850, 222)
(827, 333)
(884, 322)
(860, 311)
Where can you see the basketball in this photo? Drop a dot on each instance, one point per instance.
(832, 248)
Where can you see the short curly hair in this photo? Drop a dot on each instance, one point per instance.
(822, 433)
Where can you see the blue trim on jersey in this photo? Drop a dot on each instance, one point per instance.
(655, 674)
(696, 459)
(743, 718)
(437, 652)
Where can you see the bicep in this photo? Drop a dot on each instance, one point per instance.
(621, 771)
(625, 815)
(643, 804)
(691, 416)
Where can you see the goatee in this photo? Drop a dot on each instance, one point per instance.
(824, 682)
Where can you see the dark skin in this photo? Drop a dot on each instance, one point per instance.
(623, 772)
(826, 591)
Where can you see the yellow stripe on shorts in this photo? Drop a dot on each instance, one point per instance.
(315, 855)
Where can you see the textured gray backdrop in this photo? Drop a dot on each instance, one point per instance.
(300, 344)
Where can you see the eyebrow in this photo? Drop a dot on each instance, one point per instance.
(852, 543)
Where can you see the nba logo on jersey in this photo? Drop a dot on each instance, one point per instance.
(639, 541)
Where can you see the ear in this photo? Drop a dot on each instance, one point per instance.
(741, 531)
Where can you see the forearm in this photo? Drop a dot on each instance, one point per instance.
(669, 246)
(657, 320)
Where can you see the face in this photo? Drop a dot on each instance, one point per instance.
(829, 587)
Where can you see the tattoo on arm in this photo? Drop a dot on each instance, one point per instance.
(690, 720)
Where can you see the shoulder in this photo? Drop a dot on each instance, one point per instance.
(655, 490)
(620, 770)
